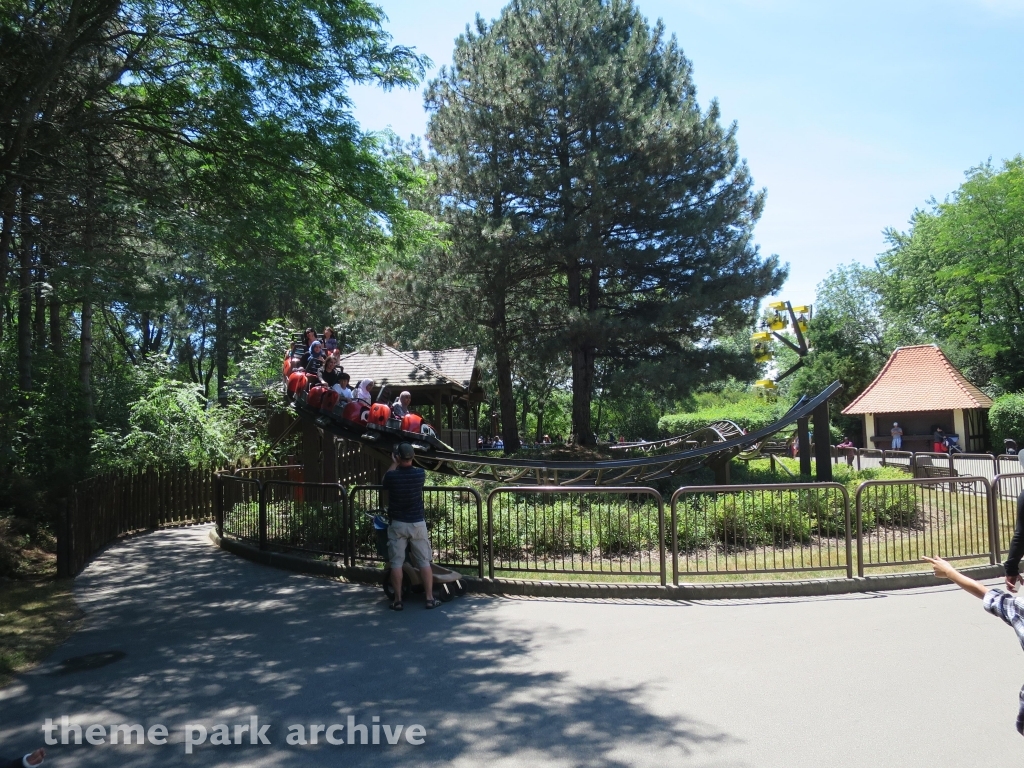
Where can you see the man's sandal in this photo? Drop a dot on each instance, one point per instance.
(397, 605)
(433, 603)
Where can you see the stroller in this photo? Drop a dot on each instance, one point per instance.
(952, 443)
(447, 583)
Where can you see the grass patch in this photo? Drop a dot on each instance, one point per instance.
(27, 549)
(35, 617)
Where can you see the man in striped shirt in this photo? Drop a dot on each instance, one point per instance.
(404, 485)
(1010, 608)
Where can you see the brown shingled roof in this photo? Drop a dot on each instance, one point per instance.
(391, 367)
(918, 378)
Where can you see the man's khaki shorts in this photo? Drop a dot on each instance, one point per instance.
(413, 534)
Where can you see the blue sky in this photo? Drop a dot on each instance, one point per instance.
(850, 114)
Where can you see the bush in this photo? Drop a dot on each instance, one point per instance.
(1006, 418)
(759, 519)
(890, 505)
(174, 424)
(750, 414)
(625, 528)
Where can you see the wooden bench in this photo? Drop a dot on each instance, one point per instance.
(925, 468)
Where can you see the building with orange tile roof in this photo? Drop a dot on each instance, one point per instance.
(920, 389)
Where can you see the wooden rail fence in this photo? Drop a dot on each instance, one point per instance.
(107, 506)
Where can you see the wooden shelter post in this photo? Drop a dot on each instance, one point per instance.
(803, 437)
(822, 444)
(311, 452)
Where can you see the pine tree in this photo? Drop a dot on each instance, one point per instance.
(578, 122)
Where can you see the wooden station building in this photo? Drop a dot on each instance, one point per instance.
(444, 384)
(921, 389)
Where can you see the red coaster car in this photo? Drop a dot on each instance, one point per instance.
(329, 400)
(356, 411)
(315, 398)
(297, 382)
(413, 422)
(379, 414)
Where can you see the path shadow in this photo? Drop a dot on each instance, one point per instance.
(210, 638)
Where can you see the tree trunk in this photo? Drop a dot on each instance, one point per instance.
(6, 236)
(39, 324)
(56, 337)
(526, 409)
(221, 351)
(146, 335)
(25, 298)
(506, 399)
(85, 358)
(540, 421)
(582, 387)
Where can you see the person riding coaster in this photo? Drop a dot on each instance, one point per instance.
(374, 421)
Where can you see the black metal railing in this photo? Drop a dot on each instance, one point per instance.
(454, 516)
(617, 532)
(588, 531)
(1006, 489)
(768, 528)
(898, 521)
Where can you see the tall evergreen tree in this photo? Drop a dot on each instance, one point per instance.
(576, 124)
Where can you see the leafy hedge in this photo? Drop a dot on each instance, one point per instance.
(750, 414)
(1006, 418)
(791, 517)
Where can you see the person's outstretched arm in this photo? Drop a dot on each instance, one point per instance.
(946, 571)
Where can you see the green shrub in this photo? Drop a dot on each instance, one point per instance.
(747, 520)
(625, 528)
(889, 505)
(1006, 418)
(751, 414)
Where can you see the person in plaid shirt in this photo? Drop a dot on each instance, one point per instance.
(1008, 607)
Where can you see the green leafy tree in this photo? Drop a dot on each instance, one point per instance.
(573, 126)
(958, 274)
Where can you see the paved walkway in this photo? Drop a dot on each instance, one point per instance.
(914, 678)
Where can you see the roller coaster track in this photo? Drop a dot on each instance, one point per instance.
(717, 442)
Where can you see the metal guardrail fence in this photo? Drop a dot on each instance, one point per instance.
(760, 529)
(454, 516)
(898, 521)
(625, 532)
(1006, 490)
(929, 464)
(305, 517)
(239, 513)
(592, 531)
(1008, 464)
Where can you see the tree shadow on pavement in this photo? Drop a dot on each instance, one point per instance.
(210, 638)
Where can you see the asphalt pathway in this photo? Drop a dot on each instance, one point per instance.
(178, 632)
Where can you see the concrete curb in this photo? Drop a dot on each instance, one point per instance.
(617, 591)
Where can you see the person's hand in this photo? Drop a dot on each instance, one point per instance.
(1011, 583)
(36, 757)
(942, 569)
